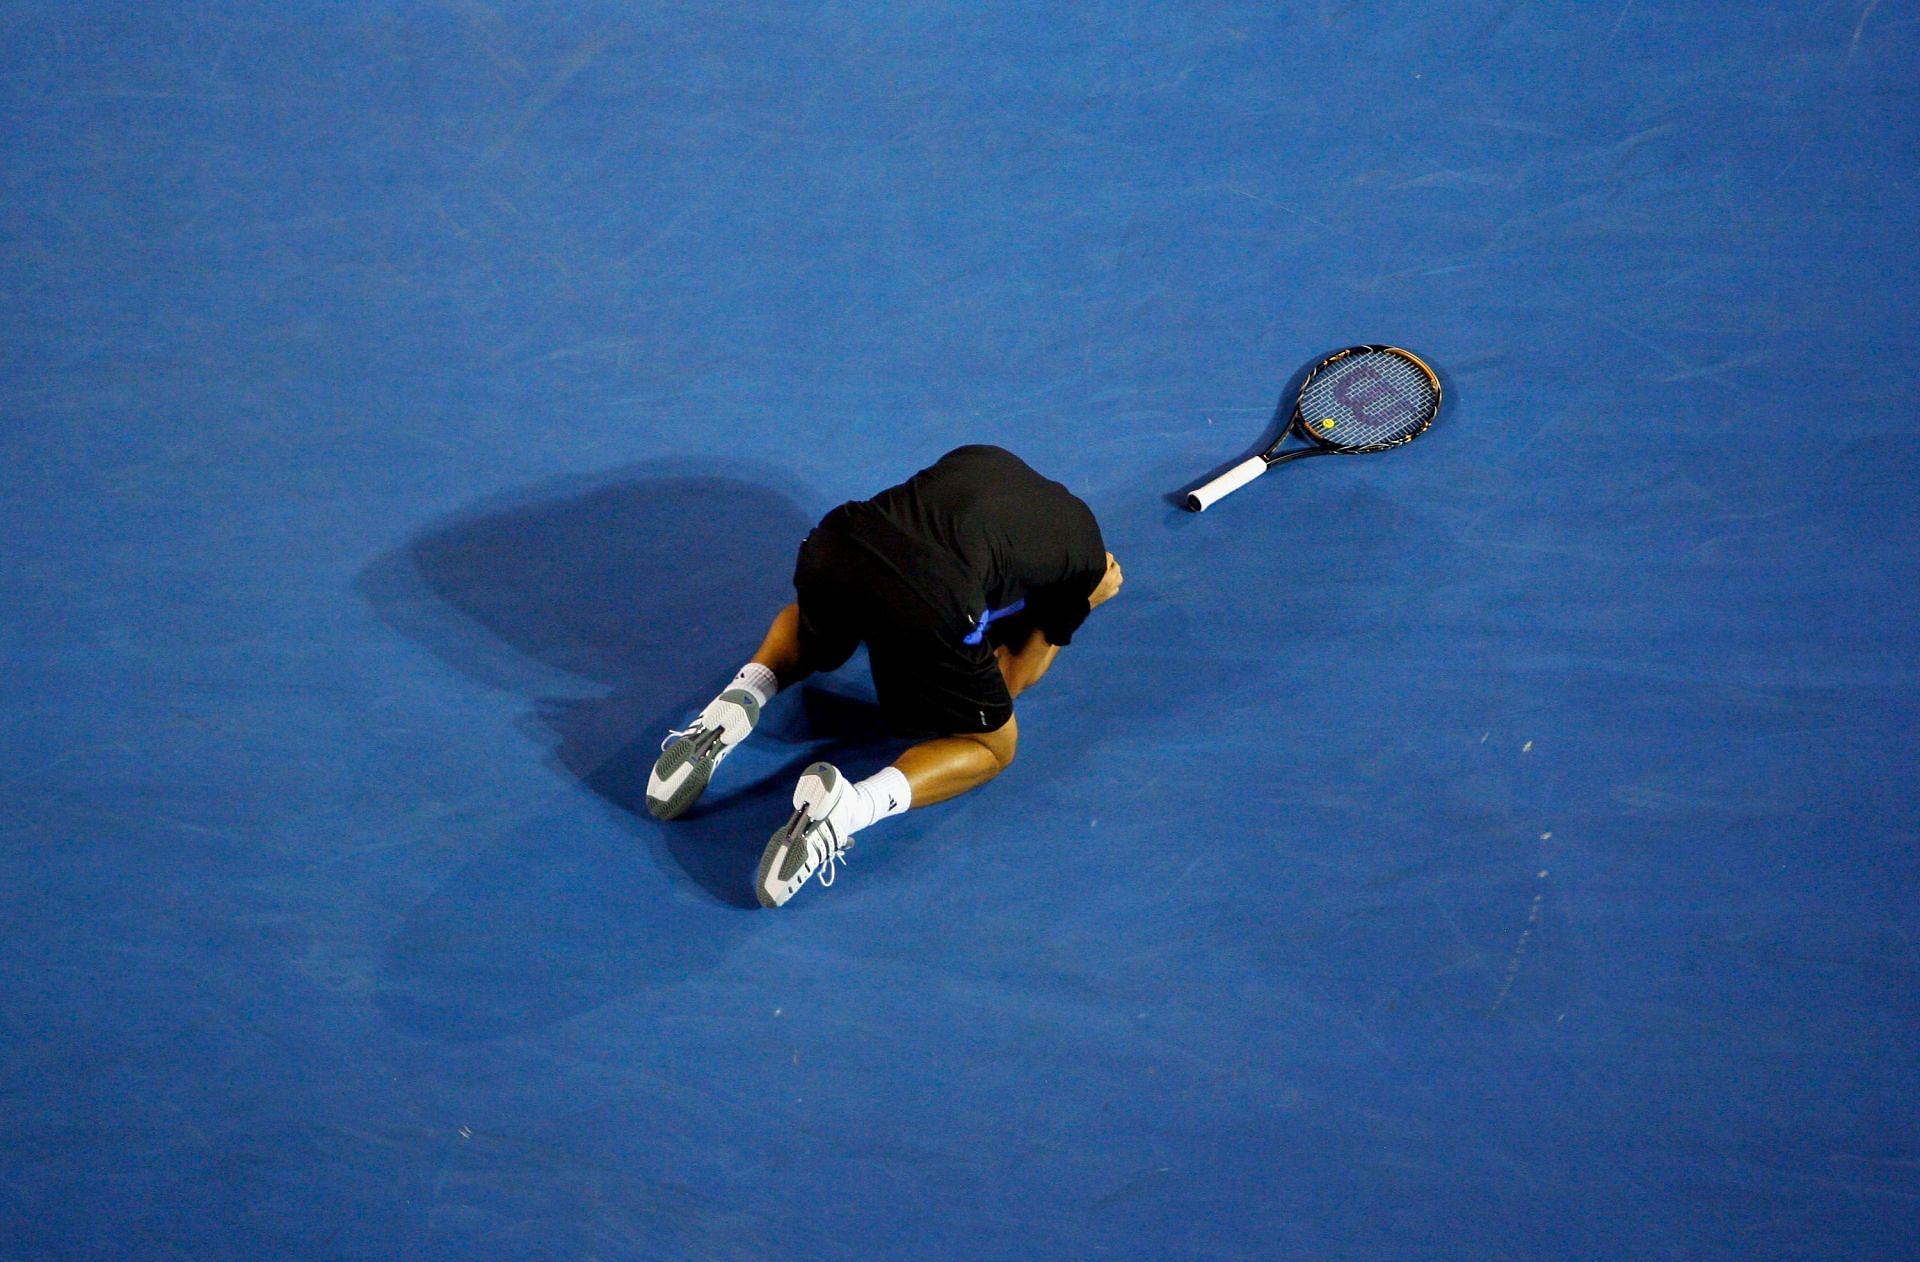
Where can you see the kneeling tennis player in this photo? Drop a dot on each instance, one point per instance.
(964, 582)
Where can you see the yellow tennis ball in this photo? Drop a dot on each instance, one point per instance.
(1326, 422)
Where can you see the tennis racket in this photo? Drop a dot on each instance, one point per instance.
(1364, 398)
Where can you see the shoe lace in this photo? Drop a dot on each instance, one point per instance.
(678, 733)
(834, 852)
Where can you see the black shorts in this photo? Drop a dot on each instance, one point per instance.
(930, 682)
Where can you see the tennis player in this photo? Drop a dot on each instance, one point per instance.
(964, 582)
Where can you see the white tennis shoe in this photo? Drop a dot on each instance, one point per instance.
(814, 838)
(687, 758)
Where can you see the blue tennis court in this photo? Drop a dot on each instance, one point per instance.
(1502, 847)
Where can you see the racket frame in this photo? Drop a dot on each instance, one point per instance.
(1224, 484)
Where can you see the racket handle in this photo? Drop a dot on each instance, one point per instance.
(1227, 483)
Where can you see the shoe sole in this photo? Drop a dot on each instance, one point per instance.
(688, 750)
(697, 751)
(788, 841)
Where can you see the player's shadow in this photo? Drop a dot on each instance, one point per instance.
(618, 606)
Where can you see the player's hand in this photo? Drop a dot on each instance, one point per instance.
(1109, 584)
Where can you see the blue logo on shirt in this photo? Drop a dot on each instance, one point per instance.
(990, 617)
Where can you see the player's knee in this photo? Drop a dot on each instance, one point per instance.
(1002, 743)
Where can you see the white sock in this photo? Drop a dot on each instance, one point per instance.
(756, 679)
(880, 795)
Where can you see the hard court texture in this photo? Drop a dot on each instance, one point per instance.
(1498, 848)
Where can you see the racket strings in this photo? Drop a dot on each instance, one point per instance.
(1365, 401)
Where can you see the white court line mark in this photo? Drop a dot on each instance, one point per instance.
(1268, 201)
(1526, 939)
(1853, 46)
(1645, 341)
(45, 767)
(583, 56)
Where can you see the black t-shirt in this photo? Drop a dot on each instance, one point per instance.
(921, 571)
(981, 527)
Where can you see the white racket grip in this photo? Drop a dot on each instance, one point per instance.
(1226, 484)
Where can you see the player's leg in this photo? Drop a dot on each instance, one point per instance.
(947, 766)
(689, 756)
(944, 767)
(781, 652)
(814, 634)
(829, 808)
(941, 769)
